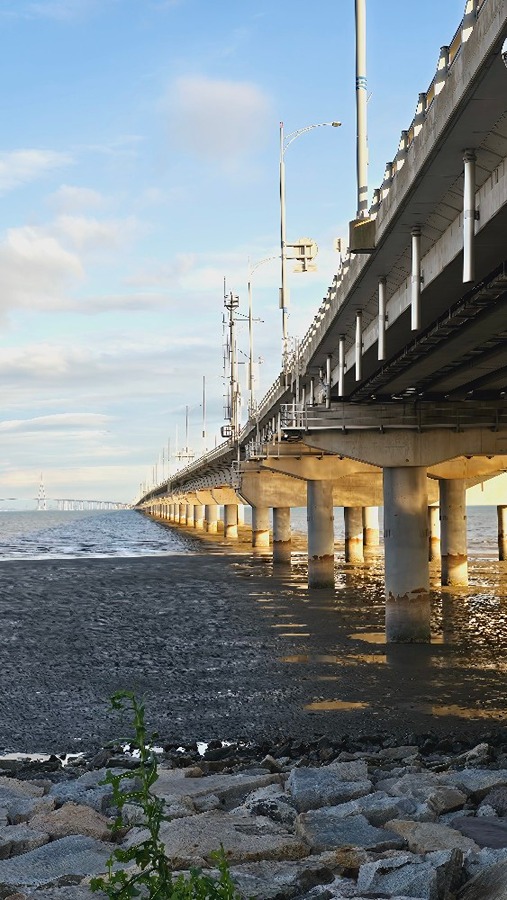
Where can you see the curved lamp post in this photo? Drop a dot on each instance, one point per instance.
(285, 142)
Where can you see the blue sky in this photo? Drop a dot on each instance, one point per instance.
(138, 167)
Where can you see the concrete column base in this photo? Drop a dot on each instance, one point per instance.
(320, 534)
(199, 517)
(434, 533)
(211, 518)
(190, 516)
(406, 555)
(371, 533)
(260, 526)
(182, 517)
(453, 524)
(282, 543)
(502, 532)
(354, 552)
(231, 521)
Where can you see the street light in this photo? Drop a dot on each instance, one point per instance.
(285, 142)
(251, 377)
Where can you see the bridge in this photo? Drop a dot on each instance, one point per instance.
(396, 396)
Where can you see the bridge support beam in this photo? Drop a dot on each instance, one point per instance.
(453, 523)
(211, 518)
(190, 515)
(354, 535)
(199, 516)
(370, 526)
(260, 526)
(320, 534)
(182, 517)
(434, 533)
(502, 532)
(281, 535)
(231, 521)
(406, 555)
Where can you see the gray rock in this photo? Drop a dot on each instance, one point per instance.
(490, 884)
(497, 799)
(378, 808)
(230, 789)
(192, 840)
(99, 798)
(51, 864)
(354, 770)
(476, 783)
(484, 859)
(312, 788)
(418, 786)
(322, 829)
(16, 839)
(280, 881)
(77, 892)
(486, 831)
(22, 809)
(406, 752)
(277, 808)
(424, 837)
(399, 875)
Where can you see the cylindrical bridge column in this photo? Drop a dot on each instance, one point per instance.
(320, 534)
(353, 516)
(198, 516)
(241, 514)
(190, 515)
(434, 533)
(281, 535)
(260, 526)
(502, 531)
(406, 555)
(371, 532)
(182, 517)
(231, 521)
(453, 524)
(211, 518)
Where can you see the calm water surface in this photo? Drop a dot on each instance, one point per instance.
(324, 650)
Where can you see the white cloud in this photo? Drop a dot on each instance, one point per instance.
(91, 233)
(221, 121)
(56, 422)
(36, 270)
(70, 198)
(24, 166)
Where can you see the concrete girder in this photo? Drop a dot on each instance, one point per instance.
(262, 487)
(472, 470)
(315, 467)
(410, 448)
(224, 496)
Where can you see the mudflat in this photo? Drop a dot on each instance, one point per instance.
(222, 646)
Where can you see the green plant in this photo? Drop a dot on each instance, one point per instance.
(152, 878)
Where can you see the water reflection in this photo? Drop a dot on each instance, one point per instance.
(459, 677)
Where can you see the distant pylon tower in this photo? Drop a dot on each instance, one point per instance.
(41, 499)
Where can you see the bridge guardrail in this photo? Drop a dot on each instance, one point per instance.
(411, 416)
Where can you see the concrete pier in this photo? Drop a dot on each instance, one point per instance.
(502, 532)
(211, 518)
(371, 532)
(453, 525)
(241, 514)
(199, 517)
(406, 555)
(320, 519)
(182, 514)
(260, 526)
(231, 521)
(281, 535)
(190, 515)
(353, 516)
(434, 533)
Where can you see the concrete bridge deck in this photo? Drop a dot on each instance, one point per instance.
(397, 393)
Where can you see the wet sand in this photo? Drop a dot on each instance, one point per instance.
(222, 646)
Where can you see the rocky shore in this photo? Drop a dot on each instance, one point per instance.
(322, 820)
